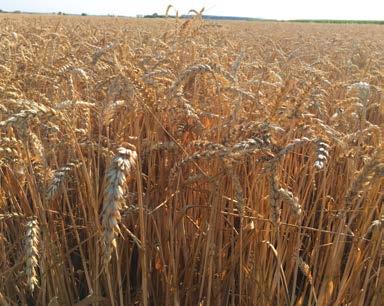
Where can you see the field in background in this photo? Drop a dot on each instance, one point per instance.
(190, 162)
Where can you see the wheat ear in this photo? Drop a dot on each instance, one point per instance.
(118, 176)
(31, 253)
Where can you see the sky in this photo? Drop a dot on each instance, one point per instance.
(274, 9)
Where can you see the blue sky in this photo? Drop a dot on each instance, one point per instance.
(278, 9)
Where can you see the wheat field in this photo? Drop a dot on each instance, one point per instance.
(190, 162)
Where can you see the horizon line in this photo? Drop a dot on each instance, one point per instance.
(156, 15)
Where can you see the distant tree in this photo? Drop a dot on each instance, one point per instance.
(154, 15)
(83, 14)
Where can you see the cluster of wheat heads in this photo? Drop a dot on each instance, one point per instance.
(185, 162)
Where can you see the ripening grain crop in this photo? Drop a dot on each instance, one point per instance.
(190, 162)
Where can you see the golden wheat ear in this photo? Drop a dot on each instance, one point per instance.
(31, 242)
(117, 177)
